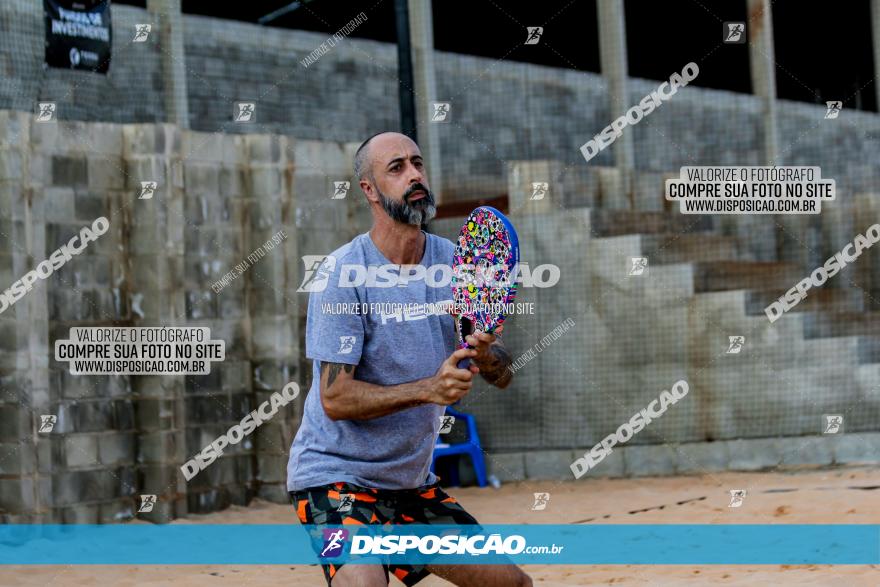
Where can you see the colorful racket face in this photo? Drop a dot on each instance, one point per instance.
(484, 273)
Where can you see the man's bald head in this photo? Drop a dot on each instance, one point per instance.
(363, 160)
(391, 173)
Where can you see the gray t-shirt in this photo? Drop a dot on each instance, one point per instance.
(403, 341)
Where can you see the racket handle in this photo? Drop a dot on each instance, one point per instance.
(466, 362)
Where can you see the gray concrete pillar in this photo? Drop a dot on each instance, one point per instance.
(763, 65)
(612, 53)
(24, 379)
(421, 25)
(875, 35)
(156, 231)
(169, 21)
(271, 302)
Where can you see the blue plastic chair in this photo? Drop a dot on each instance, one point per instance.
(471, 447)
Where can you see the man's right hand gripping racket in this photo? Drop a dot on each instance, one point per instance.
(484, 268)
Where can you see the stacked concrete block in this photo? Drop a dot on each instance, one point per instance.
(155, 248)
(501, 111)
(76, 178)
(691, 458)
(620, 364)
(24, 376)
(220, 200)
(130, 91)
(212, 169)
(637, 335)
(328, 214)
(534, 187)
(93, 472)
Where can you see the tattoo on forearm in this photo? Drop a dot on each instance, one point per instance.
(495, 370)
(333, 369)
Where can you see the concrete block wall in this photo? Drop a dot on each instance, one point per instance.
(24, 341)
(221, 196)
(323, 224)
(154, 252)
(691, 458)
(131, 92)
(218, 199)
(635, 336)
(214, 171)
(274, 338)
(501, 112)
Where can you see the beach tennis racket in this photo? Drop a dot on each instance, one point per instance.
(484, 267)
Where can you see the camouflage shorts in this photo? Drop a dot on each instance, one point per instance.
(425, 505)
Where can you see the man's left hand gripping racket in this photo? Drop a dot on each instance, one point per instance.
(484, 267)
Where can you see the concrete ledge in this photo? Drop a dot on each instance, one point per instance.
(811, 450)
(614, 465)
(650, 460)
(856, 448)
(694, 458)
(506, 466)
(548, 464)
(754, 454)
(700, 457)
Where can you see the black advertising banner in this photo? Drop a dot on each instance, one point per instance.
(78, 34)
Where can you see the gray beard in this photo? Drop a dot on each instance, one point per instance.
(407, 214)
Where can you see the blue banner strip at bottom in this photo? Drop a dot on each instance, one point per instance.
(143, 544)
